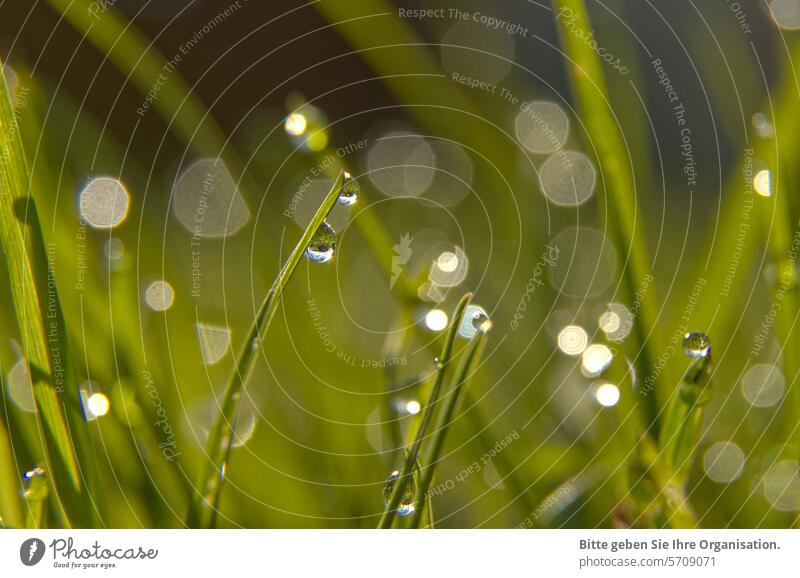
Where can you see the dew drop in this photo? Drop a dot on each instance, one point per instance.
(438, 363)
(348, 194)
(475, 319)
(323, 245)
(696, 344)
(406, 506)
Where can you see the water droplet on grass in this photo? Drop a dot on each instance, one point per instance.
(406, 506)
(696, 344)
(348, 194)
(475, 319)
(323, 246)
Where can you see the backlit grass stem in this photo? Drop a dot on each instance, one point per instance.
(201, 510)
(427, 414)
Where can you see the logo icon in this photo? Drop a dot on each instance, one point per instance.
(32, 551)
(402, 253)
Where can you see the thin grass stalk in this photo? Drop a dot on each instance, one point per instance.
(221, 435)
(407, 470)
(445, 418)
(624, 219)
(10, 510)
(35, 299)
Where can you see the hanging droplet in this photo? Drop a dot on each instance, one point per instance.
(406, 506)
(323, 245)
(438, 363)
(696, 344)
(348, 194)
(481, 322)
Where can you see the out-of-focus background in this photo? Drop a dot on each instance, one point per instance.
(167, 216)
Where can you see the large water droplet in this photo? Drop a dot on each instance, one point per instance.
(475, 319)
(323, 245)
(481, 322)
(696, 344)
(406, 506)
(348, 194)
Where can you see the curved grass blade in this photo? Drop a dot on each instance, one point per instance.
(10, 510)
(627, 225)
(206, 495)
(681, 429)
(68, 455)
(461, 378)
(411, 457)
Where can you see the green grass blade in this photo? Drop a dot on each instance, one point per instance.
(10, 510)
(624, 219)
(413, 453)
(46, 350)
(461, 378)
(201, 510)
(681, 430)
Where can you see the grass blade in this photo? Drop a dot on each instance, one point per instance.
(625, 221)
(681, 430)
(411, 457)
(35, 299)
(462, 376)
(201, 509)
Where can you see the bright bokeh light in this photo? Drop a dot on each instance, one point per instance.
(607, 394)
(616, 322)
(786, 13)
(542, 127)
(573, 340)
(568, 178)
(413, 407)
(98, 404)
(447, 262)
(763, 385)
(436, 320)
(724, 462)
(159, 295)
(103, 203)
(295, 124)
(762, 183)
(596, 359)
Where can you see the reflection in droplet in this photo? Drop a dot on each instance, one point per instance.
(477, 51)
(596, 359)
(586, 263)
(475, 319)
(348, 194)
(436, 320)
(94, 403)
(696, 344)
(207, 202)
(616, 321)
(724, 462)
(782, 486)
(214, 342)
(786, 13)
(401, 164)
(323, 245)
(406, 506)
(763, 385)
(159, 295)
(568, 178)
(607, 394)
(103, 203)
(449, 268)
(762, 183)
(573, 340)
(19, 387)
(542, 127)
